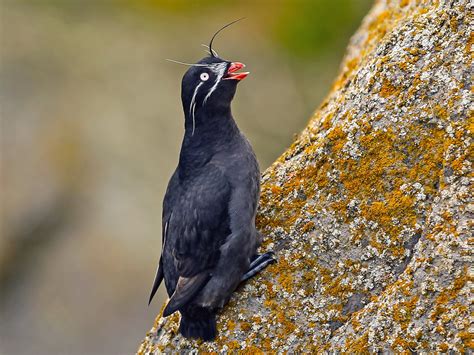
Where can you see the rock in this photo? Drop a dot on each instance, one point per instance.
(376, 256)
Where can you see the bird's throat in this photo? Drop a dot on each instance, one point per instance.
(210, 135)
(210, 123)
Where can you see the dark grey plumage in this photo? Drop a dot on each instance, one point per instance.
(209, 234)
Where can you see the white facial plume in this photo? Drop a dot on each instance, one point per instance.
(219, 70)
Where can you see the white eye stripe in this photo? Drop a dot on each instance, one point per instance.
(219, 70)
(192, 107)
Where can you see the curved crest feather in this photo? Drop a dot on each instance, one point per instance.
(212, 52)
(215, 34)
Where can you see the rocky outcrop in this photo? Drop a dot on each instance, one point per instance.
(369, 209)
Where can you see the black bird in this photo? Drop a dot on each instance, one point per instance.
(209, 236)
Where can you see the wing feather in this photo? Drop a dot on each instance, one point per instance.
(198, 227)
(186, 289)
(167, 212)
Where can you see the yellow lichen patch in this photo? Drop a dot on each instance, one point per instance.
(404, 3)
(428, 158)
(287, 325)
(359, 345)
(337, 289)
(364, 176)
(402, 311)
(443, 347)
(349, 67)
(458, 163)
(307, 227)
(285, 279)
(379, 26)
(230, 325)
(245, 326)
(404, 344)
(388, 89)
(252, 350)
(337, 138)
(467, 338)
(396, 206)
(233, 345)
(469, 44)
(306, 181)
(270, 289)
(449, 295)
(275, 189)
(355, 322)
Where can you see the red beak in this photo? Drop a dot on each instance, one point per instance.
(231, 72)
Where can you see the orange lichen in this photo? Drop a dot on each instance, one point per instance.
(388, 89)
(307, 227)
(286, 281)
(467, 338)
(378, 27)
(404, 344)
(252, 350)
(402, 311)
(230, 325)
(449, 294)
(348, 69)
(275, 189)
(337, 137)
(245, 326)
(469, 44)
(270, 290)
(359, 345)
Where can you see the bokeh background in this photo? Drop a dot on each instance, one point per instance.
(91, 126)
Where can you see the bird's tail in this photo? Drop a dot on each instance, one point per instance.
(198, 322)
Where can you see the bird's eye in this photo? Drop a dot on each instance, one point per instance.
(204, 76)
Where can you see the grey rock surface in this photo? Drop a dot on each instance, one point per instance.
(370, 209)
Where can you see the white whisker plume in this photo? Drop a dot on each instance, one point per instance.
(219, 70)
(188, 64)
(192, 106)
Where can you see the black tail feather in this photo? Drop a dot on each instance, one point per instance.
(198, 323)
(157, 282)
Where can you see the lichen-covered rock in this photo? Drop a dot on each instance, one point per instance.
(370, 209)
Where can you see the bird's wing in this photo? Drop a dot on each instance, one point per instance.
(167, 211)
(198, 227)
(186, 288)
(242, 241)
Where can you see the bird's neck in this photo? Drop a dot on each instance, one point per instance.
(208, 132)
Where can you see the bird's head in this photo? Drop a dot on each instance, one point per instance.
(209, 85)
(212, 81)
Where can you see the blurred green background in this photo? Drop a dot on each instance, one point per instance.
(91, 126)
